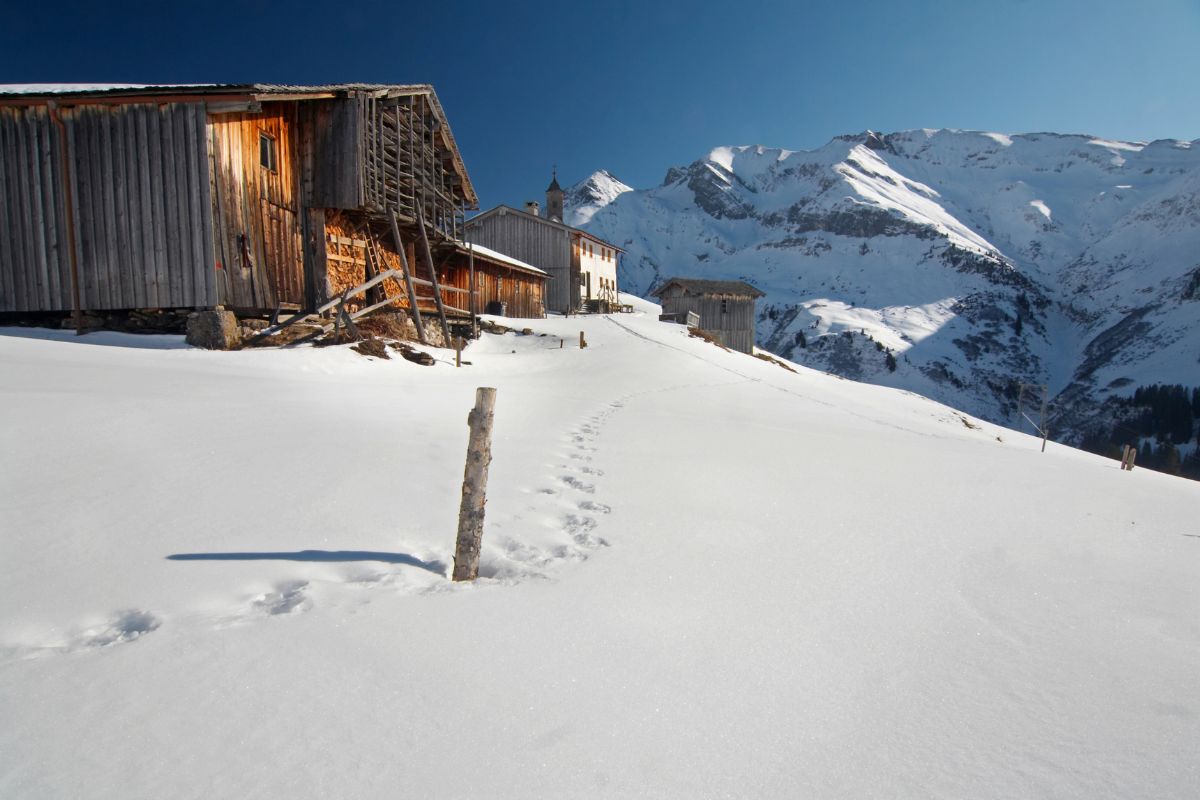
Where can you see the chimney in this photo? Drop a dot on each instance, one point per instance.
(533, 208)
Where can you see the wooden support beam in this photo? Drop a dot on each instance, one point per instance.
(353, 292)
(408, 281)
(474, 305)
(437, 290)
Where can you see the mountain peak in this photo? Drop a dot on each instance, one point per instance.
(591, 194)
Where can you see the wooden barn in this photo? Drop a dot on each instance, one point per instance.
(725, 308)
(254, 197)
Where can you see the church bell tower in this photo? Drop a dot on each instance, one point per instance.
(554, 199)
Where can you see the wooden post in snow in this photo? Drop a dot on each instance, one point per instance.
(582, 341)
(1128, 454)
(474, 488)
(474, 307)
(458, 351)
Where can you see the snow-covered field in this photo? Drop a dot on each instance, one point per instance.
(224, 575)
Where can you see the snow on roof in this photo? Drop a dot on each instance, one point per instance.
(495, 255)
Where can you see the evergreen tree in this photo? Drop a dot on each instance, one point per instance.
(1146, 457)
(1168, 459)
(890, 361)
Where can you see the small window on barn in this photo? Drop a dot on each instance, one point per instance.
(266, 151)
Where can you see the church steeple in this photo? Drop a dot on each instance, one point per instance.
(554, 199)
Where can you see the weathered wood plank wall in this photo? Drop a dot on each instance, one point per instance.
(142, 217)
(336, 128)
(547, 247)
(256, 209)
(521, 292)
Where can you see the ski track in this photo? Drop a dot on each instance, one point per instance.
(804, 397)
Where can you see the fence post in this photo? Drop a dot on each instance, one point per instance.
(582, 342)
(474, 488)
(458, 351)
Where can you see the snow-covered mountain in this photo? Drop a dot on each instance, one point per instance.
(590, 195)
(957, 264)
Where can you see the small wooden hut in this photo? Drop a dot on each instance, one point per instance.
(252, 196)
(502, 284)
(725, 308)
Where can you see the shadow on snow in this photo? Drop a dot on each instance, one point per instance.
(318, 556)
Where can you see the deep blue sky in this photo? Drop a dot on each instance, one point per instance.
(636, 87)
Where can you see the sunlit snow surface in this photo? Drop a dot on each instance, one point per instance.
(224, 575)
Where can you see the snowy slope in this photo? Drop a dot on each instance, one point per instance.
(931, 244)
(223, 575)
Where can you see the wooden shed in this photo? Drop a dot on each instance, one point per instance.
(725, 308)
(251, 196)
(502, 284)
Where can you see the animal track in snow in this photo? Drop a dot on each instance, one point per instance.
(580, 529)
(128, 626)
(574, 513)
(578, 485)
(288, 598)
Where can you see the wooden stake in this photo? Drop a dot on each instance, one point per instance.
(458, 351)
(582, 341)
(474, 488)
(1124, 456)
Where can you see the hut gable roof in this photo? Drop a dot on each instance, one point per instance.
(701, 286)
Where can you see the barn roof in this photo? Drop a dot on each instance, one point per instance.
(701, 286)
(153, 89)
